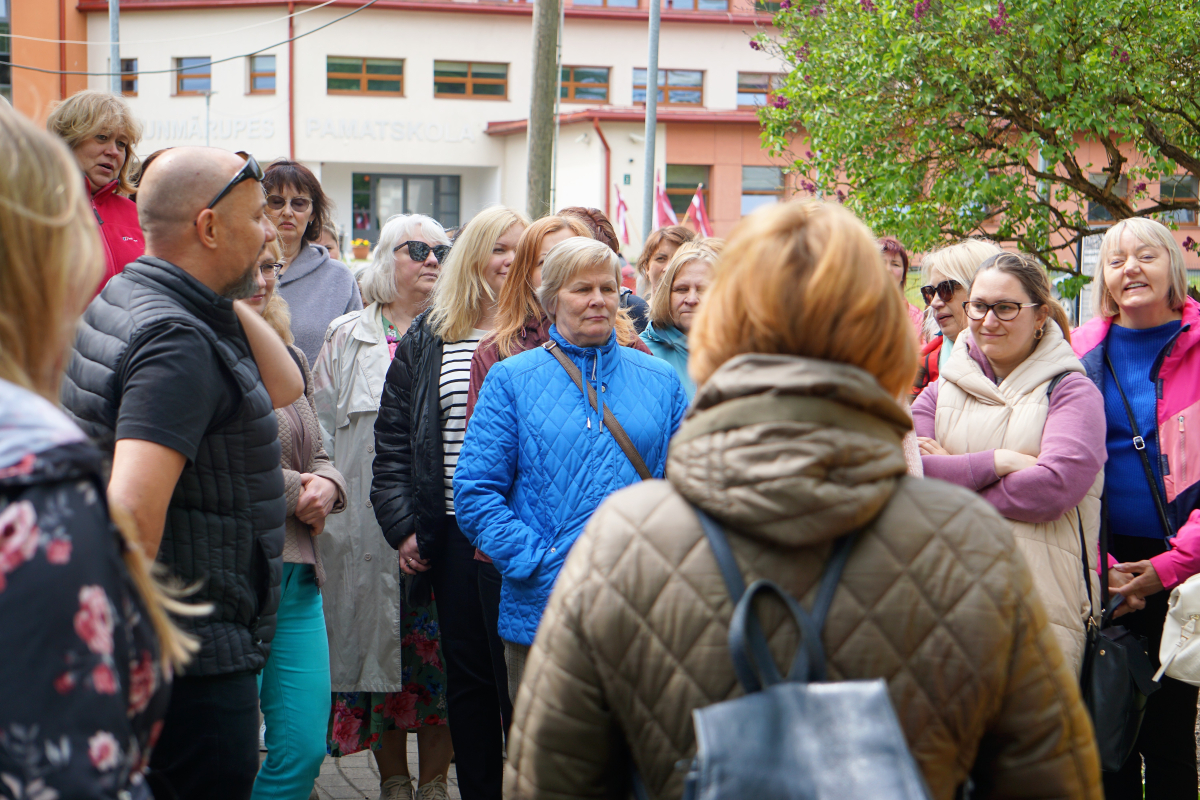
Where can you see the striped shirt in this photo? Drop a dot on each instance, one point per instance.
(452, 390)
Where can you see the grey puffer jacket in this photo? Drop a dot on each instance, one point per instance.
(789, 454)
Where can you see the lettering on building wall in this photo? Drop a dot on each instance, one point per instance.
(382, 130)
(193, 128)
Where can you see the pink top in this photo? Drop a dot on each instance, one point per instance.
(917, 317)
(1073, 452)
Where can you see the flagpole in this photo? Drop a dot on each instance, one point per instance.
(650, 187)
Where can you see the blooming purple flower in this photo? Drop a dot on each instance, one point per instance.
(755, 45)
(1190, 244)
(818, 9)
(1120, 55)
(1139, 187)
(802, 53)
(1000, 21)
(921, 8)
(808, 154)
(784, 5)
(808, 186)
(779, 101)
(841, 196)
(867, 5)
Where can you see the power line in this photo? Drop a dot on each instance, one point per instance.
(166, 41)
(194, 66)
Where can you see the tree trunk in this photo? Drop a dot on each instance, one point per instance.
(541, 111)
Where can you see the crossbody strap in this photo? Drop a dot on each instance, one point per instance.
(610, 421)
(1139, 444)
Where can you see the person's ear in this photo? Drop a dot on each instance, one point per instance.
(206, 228)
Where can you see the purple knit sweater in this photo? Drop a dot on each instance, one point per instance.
(1073, 451)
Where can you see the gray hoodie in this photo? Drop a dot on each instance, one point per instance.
(318, 290)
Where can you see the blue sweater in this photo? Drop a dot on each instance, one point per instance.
(1131, 510)
(536, 461)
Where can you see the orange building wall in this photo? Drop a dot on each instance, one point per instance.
(35, 92)
(725, 148)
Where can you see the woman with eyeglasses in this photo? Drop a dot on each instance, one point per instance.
(294, 684)
(317, 288)
(387, 673)
(1014, 419)
(422, 421)
(1142, 350)
(947, 272)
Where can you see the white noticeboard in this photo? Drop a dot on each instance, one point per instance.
(1091, 257)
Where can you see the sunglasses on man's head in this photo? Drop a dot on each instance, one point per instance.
(944, 290)
(419, 251)
(276, 202)
(250, 171)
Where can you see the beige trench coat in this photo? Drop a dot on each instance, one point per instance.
(361, 594)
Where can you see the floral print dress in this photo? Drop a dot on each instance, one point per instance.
(84, 692)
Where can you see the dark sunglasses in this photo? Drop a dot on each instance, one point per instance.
(277, 202)
(250, 171)
(944, 290)
(419, 251)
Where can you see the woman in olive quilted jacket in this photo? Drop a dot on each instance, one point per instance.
(793, 440)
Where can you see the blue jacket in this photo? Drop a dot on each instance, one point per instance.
(671, 345)
(536, 461)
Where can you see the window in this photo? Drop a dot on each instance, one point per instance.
(606, 3)
(676, 87)
(5, 54)
(1097, 212)
(769, 6)
(682, 180)
(585, 84)
(761, 186)
(470, 79)
(1179, 187)
(364, 76)
(129, 78)
(754, 88)
(696, 5)
(262, 74)
(193, 75)
(375, 197)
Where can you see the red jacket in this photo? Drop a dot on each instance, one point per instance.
(119, 229)
(927, 366)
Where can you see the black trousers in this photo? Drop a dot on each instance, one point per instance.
(468, 605)
(209, 742)
(1167, 741)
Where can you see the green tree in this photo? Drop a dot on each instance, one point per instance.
(938, 119)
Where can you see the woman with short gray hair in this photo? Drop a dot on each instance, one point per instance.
(539, 457)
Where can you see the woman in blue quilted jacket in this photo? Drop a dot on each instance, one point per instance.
(539, 457)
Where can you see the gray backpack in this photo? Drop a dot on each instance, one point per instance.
(799, 737)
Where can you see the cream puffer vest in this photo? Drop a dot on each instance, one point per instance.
(974, 414)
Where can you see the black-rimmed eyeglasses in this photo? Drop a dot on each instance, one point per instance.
(1005, 310)
(419, 251)
(250, 171)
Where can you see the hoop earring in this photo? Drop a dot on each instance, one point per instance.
(1040, 332)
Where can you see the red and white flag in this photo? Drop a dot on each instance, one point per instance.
(697, 212)
(622, 217)
(663, 213)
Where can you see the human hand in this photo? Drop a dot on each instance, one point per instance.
(930, 447)
(411, 562)
(1135, 590)
(317, 528)
(316, 498)
(1009, 461)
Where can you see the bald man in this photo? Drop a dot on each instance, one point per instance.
(178, 380)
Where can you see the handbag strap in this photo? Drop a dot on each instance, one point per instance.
(752, 661)
(1139, 444)
(614, 427)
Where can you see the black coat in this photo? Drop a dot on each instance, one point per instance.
(408, 491)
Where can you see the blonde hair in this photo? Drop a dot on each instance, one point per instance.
(90, 112)
(1147, 231)
(566, 260)
(51, 260)
(1034, 281)
(378, 279)
(958, 262)
(705, 250)
(50, 263)
(461, 296)
(805, 279)
(518, 303)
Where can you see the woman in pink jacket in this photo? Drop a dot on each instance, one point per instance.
(1141, 351)
(102, 132)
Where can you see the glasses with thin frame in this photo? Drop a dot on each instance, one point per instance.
(271, 270)
(1005, 310)
(419, 251)
(944, 290)
(276, 202)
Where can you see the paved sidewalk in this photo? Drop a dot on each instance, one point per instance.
(356, 777)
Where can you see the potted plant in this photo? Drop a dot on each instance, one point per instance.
(361, 249)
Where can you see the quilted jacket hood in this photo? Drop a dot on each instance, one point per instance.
(789, 478)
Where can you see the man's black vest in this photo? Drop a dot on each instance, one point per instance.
(224, 526)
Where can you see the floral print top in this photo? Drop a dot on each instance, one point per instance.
(82, 689)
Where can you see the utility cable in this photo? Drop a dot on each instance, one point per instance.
(363, 7)
(167, 41)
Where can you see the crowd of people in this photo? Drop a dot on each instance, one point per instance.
(247, 493)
